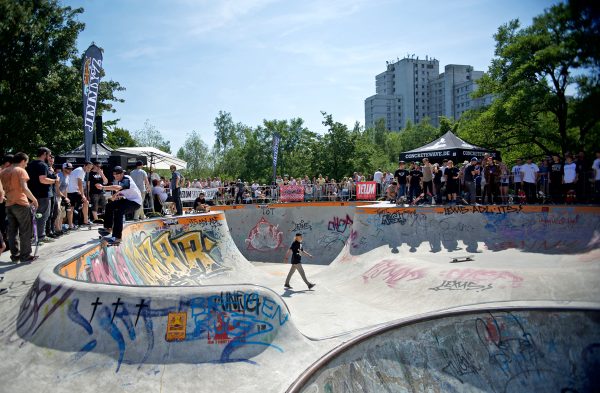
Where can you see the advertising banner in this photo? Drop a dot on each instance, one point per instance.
(366, 191)
(291, 193)
(91, 72)
(190, 194)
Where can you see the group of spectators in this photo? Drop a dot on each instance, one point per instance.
(41, 201)
(490, 181)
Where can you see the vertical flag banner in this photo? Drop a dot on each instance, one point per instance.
(91, 70)
(276, 138)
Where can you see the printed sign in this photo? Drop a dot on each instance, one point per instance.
(190, 194)
(176, 326)
(291, 193)
(91, 73)
(366, 191)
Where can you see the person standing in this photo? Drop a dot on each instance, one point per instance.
(555, 179)
(452, 180)
(596, 169)
(471, 171)
(296, 250)
(18, 208)
(39, 183)
(126, 200)
(378, 178)
(570, 179)
(176, 190)
(97, 198)
(140, 177)
(491, 174)
(401, 176)
(427, 178)
(240, 188)
(76, 194)
(529, 177)
(54, 206)
(517, 175)
(415, 177)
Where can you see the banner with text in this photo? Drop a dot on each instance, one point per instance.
(91, 73)
(190, 194)
(291, 193)
(366, 191)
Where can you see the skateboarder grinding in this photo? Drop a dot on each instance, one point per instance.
(296, 250)
(127, 199)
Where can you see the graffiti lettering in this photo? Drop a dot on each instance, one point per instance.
(482, 275)
(392, 272)
(500, 209)
(460, 362)
(301, 226)
(453, 285)
(340, 225)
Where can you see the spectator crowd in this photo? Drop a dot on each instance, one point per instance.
(41, 201)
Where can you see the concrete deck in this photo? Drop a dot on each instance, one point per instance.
(92, 319)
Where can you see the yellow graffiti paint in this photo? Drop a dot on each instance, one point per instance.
(176, 326)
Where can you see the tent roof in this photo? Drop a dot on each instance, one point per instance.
(445, 142)
(157, 159)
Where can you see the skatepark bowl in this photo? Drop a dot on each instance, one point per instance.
(408, 299)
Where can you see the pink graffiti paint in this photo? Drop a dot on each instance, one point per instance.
(483, 275)
(391, 272)
(264, 237)
(121, 268)
(99, 270)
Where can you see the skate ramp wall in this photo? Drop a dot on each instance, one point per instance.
(494, 351)
(472, 229)
(153, 325)
(264, 232)
(188, 250)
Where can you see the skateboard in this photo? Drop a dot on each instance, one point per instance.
(466, 258)
(108, 242)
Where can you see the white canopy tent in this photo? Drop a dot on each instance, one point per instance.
(157, 159)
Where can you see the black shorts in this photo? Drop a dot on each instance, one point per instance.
(75, 199)
(97, 200)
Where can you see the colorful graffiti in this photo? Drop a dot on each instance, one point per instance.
(230, 320)
(264, 236)
(392, 272)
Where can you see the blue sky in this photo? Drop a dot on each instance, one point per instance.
(184, 60)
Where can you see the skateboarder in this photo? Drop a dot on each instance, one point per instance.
(296, 250)
(127, 200)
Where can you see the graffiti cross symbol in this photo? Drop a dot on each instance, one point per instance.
(140, 306)
(95, 304)
(116, 304)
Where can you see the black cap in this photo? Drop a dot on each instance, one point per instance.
(298, 234)
(118, 169)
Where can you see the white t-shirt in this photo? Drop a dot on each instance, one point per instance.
(596, 166)
(78, 173)
(516, 171)
(133, 192)
(377, 176)
(529, 171)
(570, 172)
(161, 193)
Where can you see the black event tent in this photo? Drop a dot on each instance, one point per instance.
(449, 147)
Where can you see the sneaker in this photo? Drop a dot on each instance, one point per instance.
(73, 228)
(14, 258)
(311, 286)
(29, 259)
(46, 239)
(52, 236)
(286, 286)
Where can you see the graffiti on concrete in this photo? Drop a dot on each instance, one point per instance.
(392, 272)
(264, 236)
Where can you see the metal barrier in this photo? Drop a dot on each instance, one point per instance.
(503, 190)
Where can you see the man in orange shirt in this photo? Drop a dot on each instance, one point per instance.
(20, 228)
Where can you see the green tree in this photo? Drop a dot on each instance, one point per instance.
(197, 155)
(37, 85)
(338, 148)
(117, 137)
(530, 74)
(40, 82)
(149, 135)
